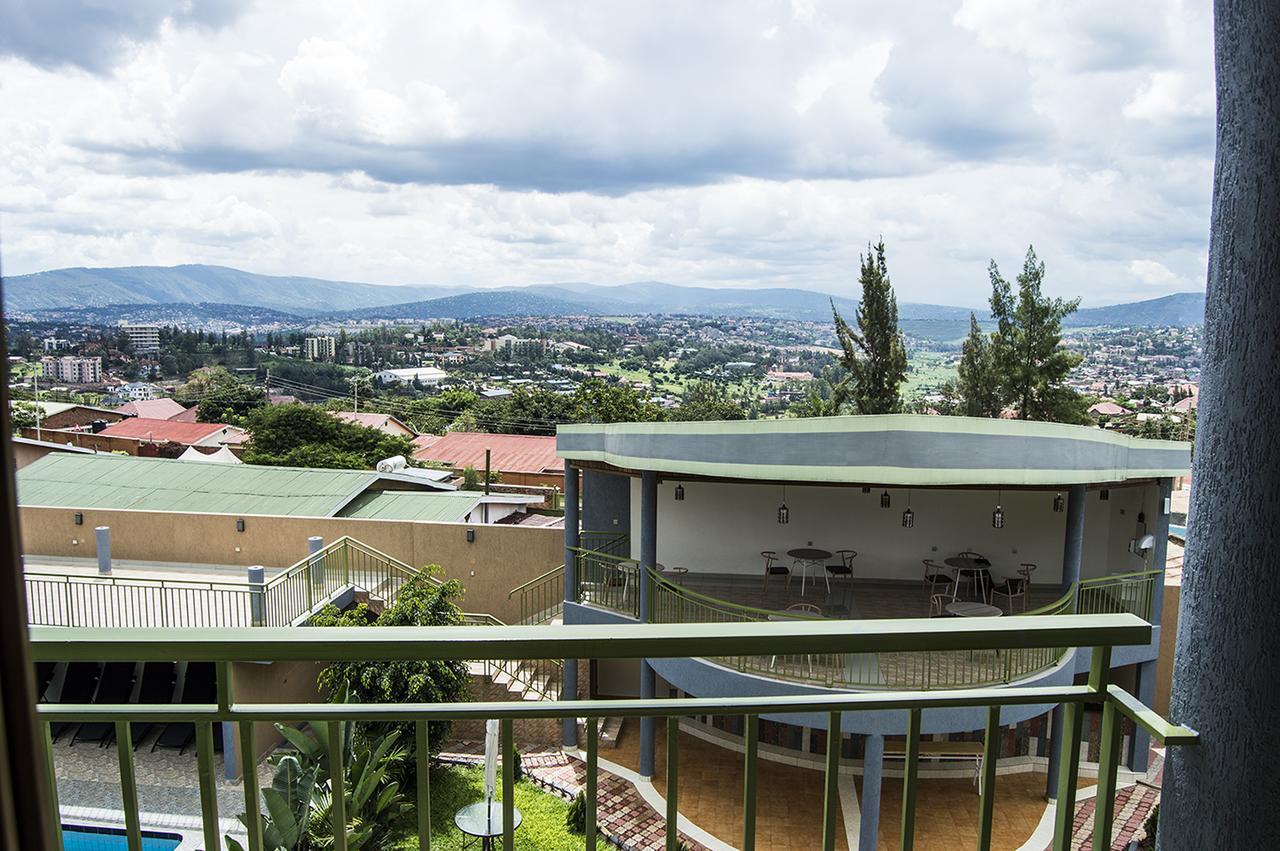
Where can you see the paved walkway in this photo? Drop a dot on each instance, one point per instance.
(1133, 805)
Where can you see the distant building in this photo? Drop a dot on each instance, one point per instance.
(1108, 409)
(385, 423)
(522, 459)
(426, 375)
(72, 370)
(173, 431)
(320, 348)
(145, 338)
(159, 409)
(54, 344)
(139, 391)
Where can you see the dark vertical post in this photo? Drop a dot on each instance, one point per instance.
(648, 558)
(1160, 552)
(102, 537)
(572, 540)
(1222, 793)
(1072, 554)
(872, 774)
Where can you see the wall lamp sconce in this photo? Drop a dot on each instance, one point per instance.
(1104, 494)
(679, 493)
(79, 518)
(240, 524)
(1058, 504)
(471, 536)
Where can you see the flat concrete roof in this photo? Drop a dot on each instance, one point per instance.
(892, 449)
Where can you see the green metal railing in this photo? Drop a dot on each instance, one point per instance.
(1007, 635)
(607, 580)
(540, 678)
(286, 600)
(541, 598)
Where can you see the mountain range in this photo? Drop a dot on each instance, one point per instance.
(60, 292)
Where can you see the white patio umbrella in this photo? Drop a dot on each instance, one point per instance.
(490, 766)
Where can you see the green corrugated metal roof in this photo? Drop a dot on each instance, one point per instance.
(159, 484)
(410, 505)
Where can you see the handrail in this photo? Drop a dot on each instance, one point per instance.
(559, 569)
(227, 646)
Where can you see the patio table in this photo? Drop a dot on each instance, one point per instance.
(978, 569)
(967, 609)
(807, 557)
(484, 821)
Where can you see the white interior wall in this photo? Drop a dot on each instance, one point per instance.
(722, 527)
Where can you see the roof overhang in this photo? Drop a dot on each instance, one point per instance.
(894, 449)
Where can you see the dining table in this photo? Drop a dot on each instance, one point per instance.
(970, 609)
(978, 569)
(805, 558)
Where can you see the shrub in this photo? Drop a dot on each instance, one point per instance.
(576, 818)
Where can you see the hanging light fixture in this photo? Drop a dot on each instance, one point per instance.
(866, 489)
(884, 499)
(784, 513)
(908, 516)
(679, 492)
(1058, 504)
(997, 516)
(1105, 494)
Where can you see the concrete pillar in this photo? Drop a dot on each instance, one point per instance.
(872, 774)
(1160, 552)
(316, 566)
(1056, 720)
(102, 535)
(1140, 741)
(1223, 793)
(648, 558)
(572, 540)
(257, 597)
(1073, 540)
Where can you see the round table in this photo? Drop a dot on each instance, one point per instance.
(677, 574)
(807, 557)
(484, 821)
(967, 609)
(980, 569)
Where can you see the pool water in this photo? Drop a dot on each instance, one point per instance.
(79, 838)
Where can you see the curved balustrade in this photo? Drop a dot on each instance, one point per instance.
(612, 582)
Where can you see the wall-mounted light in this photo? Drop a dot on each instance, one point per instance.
(784, 513)
(997, 516)
(1104, 494)
(79, 518)
(908, 516)
(471, 536)
(866, 489)
(679, 492)
(1059, 504)
(884, 500)
(1165, 506)
(240, 524)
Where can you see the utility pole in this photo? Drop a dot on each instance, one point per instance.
(35, 385)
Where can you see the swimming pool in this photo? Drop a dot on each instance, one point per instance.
(80, 838)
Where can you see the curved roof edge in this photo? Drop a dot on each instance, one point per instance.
(892, 449)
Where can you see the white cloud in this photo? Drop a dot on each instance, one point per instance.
(489, 142)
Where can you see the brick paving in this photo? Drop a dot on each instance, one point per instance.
(624, 818)
(1132, 806)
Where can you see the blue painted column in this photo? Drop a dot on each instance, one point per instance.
(572, 540)
(1072, 554)
(648, 558)
(872, 773)
(1160, 552)
(102, 537)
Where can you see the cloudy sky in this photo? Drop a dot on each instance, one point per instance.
(711, 143)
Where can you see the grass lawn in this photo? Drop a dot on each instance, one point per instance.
(453, 787)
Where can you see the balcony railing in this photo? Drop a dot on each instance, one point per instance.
(287, 599)
(612, 582)
(794, 638)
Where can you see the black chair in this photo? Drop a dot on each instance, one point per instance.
(78, 686)
(44, 676)
(158, 682)
(200, 686)
(843, 569)
(772, 568)
(114, 686)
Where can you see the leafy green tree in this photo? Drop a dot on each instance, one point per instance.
(303, 436)
(203, 382)
(23, 415)
(422, 601)
(1027, 348)
(535, 410)
(876, 354)
(978, 387)
(597, 402)
(230, 403)
(706, 400)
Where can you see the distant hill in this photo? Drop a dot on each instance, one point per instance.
(1180, 309)
(125, 292)
(134, 285)
(204, 314)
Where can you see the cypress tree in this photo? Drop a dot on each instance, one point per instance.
(978, 384)
(874, 356)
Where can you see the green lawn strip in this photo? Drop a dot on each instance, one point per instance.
(453, 787)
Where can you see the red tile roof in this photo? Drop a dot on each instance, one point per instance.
(382, 422)
(155, 409)
(171, 431)
(513, 453)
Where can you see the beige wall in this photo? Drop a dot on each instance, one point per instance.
(501, 558)
(277, 682)
(1168, 642)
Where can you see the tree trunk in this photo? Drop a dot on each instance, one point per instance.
(1226, 792)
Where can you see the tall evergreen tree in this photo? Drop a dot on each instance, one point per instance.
(1027, 346)
(978, 385)
(875, 355)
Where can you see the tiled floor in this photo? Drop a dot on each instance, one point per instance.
(789, 802)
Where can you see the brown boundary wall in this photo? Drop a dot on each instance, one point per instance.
(501, 557)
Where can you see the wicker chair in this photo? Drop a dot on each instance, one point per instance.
(1019, 586)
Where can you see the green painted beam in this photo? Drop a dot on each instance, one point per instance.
(611, 641)
(831, 784)
(1104, 809)
(673, 784)
(910, 769)
(337, 787)
(208, 785)
(1161, 730)
(630, 707)
(591, 795)
(508, 784)
(249, 770)
(54, 816)
(422, 755)
(990, 754)
(128, 786)
(751, 746)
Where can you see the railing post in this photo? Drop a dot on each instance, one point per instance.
(751, 742)
(831, 783)
(1069, 765)
(593, 762)
(1108, 763)
(249, 766)
(208, 784)
(508, 784)
(872, 776)
(990, 753)
(910, 769)
(673, 780)
(572, 541)
(337, 786)
(257, 596)
(315, 567)
(102, 536)
(422, 755)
